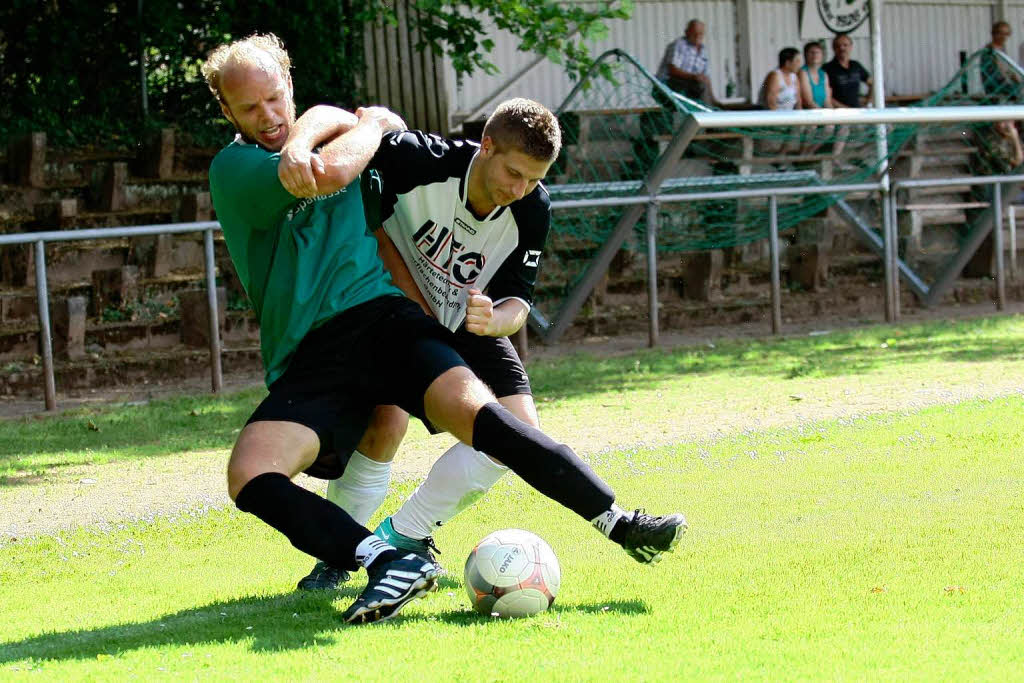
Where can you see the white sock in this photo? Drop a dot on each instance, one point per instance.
(361, 489)
(458, 479)
(605, 521)
(369, 548)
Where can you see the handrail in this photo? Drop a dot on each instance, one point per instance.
(40, 239)
(107, 233)
(824, 117)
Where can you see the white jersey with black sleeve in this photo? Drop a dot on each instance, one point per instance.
(425, 211)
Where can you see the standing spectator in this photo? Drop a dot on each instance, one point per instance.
(815, 93)
(999, 78)
(781, 88)
(685, 68)
(845, 75)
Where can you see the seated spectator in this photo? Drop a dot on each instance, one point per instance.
(815, 93)
(781, 88)
(999, 79)
(781, 92)
(685, 67)
(846, 75)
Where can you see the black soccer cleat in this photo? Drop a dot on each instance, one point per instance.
(324, 577)
(647, 537)
(390, 587)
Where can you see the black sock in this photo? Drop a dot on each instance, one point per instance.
(551, 468)
(384, 557)
(313, 524)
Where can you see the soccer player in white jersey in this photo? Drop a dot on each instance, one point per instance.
(459, 219)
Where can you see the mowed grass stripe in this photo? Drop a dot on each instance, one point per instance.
(755, 379)
(887, 545)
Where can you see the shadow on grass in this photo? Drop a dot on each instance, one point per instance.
(273, 623)
(840, 353)
(467, 616)
(107, 434)
(191, 424)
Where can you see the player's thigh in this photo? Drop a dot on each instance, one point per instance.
(270, 446)
(385, 433)
(453, 399)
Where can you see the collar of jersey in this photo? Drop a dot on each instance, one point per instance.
(464, 193)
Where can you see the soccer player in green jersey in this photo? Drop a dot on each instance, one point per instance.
(338, 339)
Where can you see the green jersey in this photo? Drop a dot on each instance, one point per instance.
(301, 261)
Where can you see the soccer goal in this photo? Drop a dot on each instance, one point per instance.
(648, 171)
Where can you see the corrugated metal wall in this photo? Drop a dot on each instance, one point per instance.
(922, 43)
(778, 26)
(921, 39)
(645, 36)
(409, 81)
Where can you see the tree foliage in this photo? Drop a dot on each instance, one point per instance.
(72, 69)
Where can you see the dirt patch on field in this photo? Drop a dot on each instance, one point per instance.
(110, 493)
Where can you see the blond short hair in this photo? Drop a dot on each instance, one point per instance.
(252, 50)
(526, 126)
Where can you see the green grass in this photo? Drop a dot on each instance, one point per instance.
(579, 386)
(880, 547)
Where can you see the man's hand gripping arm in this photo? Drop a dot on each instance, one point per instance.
(353, 140)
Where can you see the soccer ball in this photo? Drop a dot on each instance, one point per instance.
(512, 573)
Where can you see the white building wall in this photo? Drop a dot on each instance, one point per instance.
(644, 37)
(922, 40)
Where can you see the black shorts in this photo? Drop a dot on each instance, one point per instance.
(495, 361)
(382, 352)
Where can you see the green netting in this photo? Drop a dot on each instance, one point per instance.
(616, 129)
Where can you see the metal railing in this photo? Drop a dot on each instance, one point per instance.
(654, 200)
(997, 181)
(40, 239)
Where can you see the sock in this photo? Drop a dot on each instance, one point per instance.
(312, 524)
(551, 468)
(458, 479)
(361, 489)
(372, 550)
(608, 520)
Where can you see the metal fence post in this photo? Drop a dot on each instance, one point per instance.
(773, 245)
(894, 230)
(217, 378)
(45, 338)
(997, 243)
(652, 273)
(888, 255)
(1011, 215)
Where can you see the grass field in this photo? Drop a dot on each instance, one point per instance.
(883, 545)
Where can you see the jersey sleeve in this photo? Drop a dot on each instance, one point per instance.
(517, 276)
(244, 184)
(410, 158)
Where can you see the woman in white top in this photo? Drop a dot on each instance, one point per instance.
(781, 89)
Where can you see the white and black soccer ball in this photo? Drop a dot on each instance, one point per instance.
(512, 573)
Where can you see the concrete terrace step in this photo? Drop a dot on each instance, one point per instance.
(26, 379)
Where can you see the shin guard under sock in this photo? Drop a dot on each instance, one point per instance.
(313, 524)
(551, 468)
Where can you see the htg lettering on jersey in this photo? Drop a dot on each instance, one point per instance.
(447, 255)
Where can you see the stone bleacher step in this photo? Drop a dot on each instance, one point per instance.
(151, 367)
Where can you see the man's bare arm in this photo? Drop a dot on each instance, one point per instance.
(400, 274)
(345, 157)
(316, 126)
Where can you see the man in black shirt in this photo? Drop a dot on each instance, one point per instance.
(845, 75)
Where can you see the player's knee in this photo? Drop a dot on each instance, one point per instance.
(385, 434)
